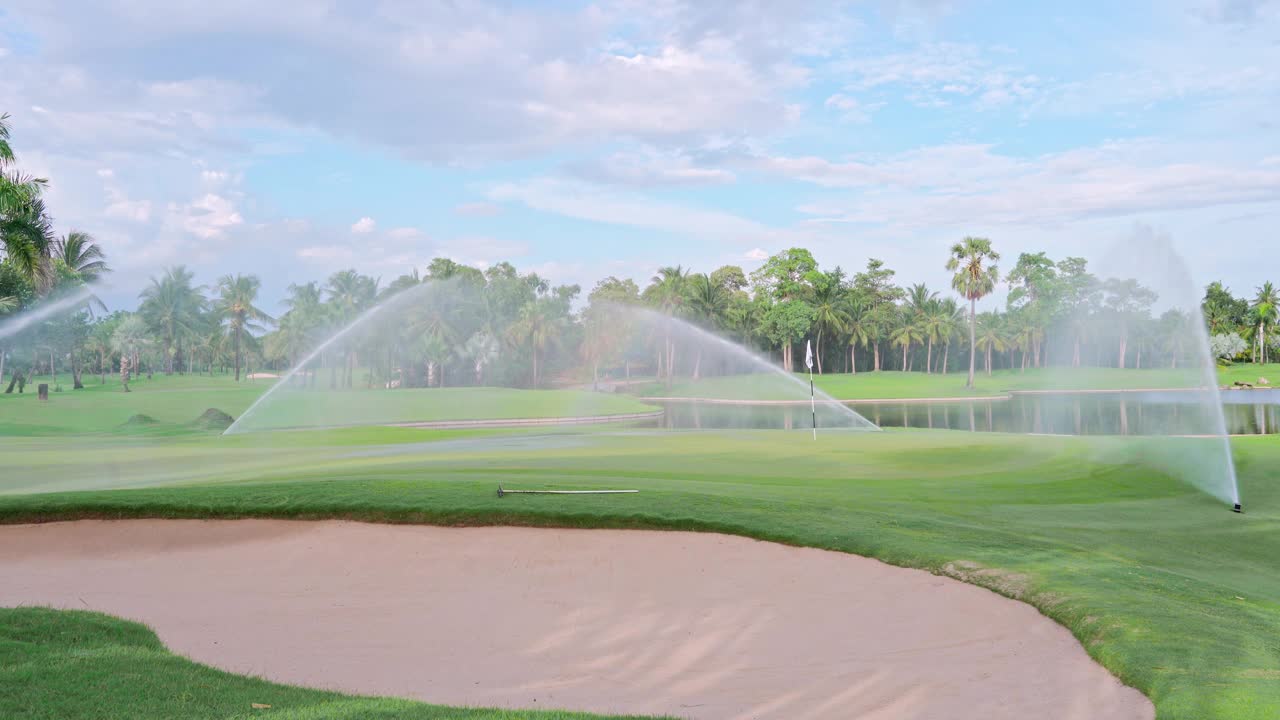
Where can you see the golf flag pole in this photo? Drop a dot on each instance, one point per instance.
(813, 408)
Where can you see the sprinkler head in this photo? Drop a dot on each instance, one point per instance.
(500, 494)
(1236, 508)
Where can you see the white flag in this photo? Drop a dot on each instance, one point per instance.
(808, 355)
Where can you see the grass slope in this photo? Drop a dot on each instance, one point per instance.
(63, 665)
(176, 401)
(1160, 583)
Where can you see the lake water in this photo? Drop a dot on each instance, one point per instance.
(1247, 412)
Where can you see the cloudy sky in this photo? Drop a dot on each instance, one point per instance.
(581, 139)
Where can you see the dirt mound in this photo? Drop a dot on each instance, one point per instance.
(213, 419)
(139, 420)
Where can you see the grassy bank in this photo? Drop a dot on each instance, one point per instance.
(70, 664)
(1160, 583)
(909, 385)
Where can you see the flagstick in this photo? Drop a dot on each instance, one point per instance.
(813, 410)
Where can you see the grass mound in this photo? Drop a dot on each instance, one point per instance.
(138, 421)
(213, 419)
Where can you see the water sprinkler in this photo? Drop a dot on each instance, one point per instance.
(1236, 508)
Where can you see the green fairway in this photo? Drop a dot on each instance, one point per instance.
(1161, 583)
(888, 384)
(58, 665)
(176, 401)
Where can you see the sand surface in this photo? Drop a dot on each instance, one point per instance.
(692, 625)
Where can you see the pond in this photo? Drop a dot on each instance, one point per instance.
(1247, 412)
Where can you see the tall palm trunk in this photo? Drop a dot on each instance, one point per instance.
(928, 358)
(973, 333)
(905, 346)
(946, 352)
(853, 360)
(236, 342)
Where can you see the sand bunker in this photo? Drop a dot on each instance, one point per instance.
(691, 625)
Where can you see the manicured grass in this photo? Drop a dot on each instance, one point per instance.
(1163, 585)
(71, 664)
(899, 385)
(175, 401)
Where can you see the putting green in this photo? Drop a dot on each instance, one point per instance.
(1161, 584)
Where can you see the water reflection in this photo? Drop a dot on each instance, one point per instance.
(1131, 413)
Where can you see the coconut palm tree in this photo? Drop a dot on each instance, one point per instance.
(538, 326)
(974, 264)
(906, 335)
(1265, 305)
(129, 340)
(82, 255)
(859, 328)
(236, 295)
(26, 232)
(830, 315)
(668, 292)
(991, 336)
(953, 318)
(174, 309)
(349, 294)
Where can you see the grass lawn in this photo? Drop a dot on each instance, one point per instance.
(888, 384)
(56, 665)
(175, 401)
(1163, 585)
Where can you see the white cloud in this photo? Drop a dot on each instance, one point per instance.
(756, 254)
(950, 186)
(850, 109)
(586, 202)
(650, 167)
(478, 209)
(364, 225)
(205, 217)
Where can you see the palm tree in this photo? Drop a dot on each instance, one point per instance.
(236, 295)
(99, 344)
(349, 294)
(1264, 306)
(952, 320)
(860, 329)
(26, 232)
(537, 326)
(129, 340)
(973, 262)
(174, 309)
(991, 337)
(667, 292)
(82, 255)
(906, 335)
(829, 313)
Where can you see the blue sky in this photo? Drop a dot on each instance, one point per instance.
(581, 140)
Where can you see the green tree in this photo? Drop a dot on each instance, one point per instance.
(173, 309)
(235, 307)
(26, 231)
(82, 255)
(974, 264)
(830, 313)
(1265, 303)
(991, 336)
(786, 322)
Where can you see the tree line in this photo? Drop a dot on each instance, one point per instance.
(455, 324)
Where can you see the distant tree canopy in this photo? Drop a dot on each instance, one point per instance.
(451, 323)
